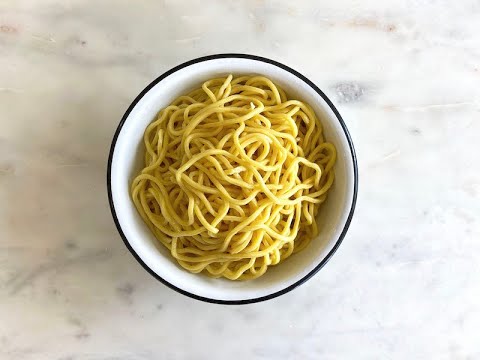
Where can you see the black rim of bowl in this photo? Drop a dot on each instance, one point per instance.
(355, 174)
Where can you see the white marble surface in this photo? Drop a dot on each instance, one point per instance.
(405, 284)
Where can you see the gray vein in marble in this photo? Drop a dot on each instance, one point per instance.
(81, 332)
(26, 278)
(349, 92)
(126, 292)
(432, 107)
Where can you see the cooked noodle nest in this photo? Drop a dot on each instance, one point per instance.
(234, 176)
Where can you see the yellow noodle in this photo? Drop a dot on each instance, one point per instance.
(234, 176)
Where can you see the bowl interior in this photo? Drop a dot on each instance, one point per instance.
(127, 160)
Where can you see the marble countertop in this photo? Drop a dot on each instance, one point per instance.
(405, 284)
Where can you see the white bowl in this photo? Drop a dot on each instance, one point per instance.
(125, 161)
